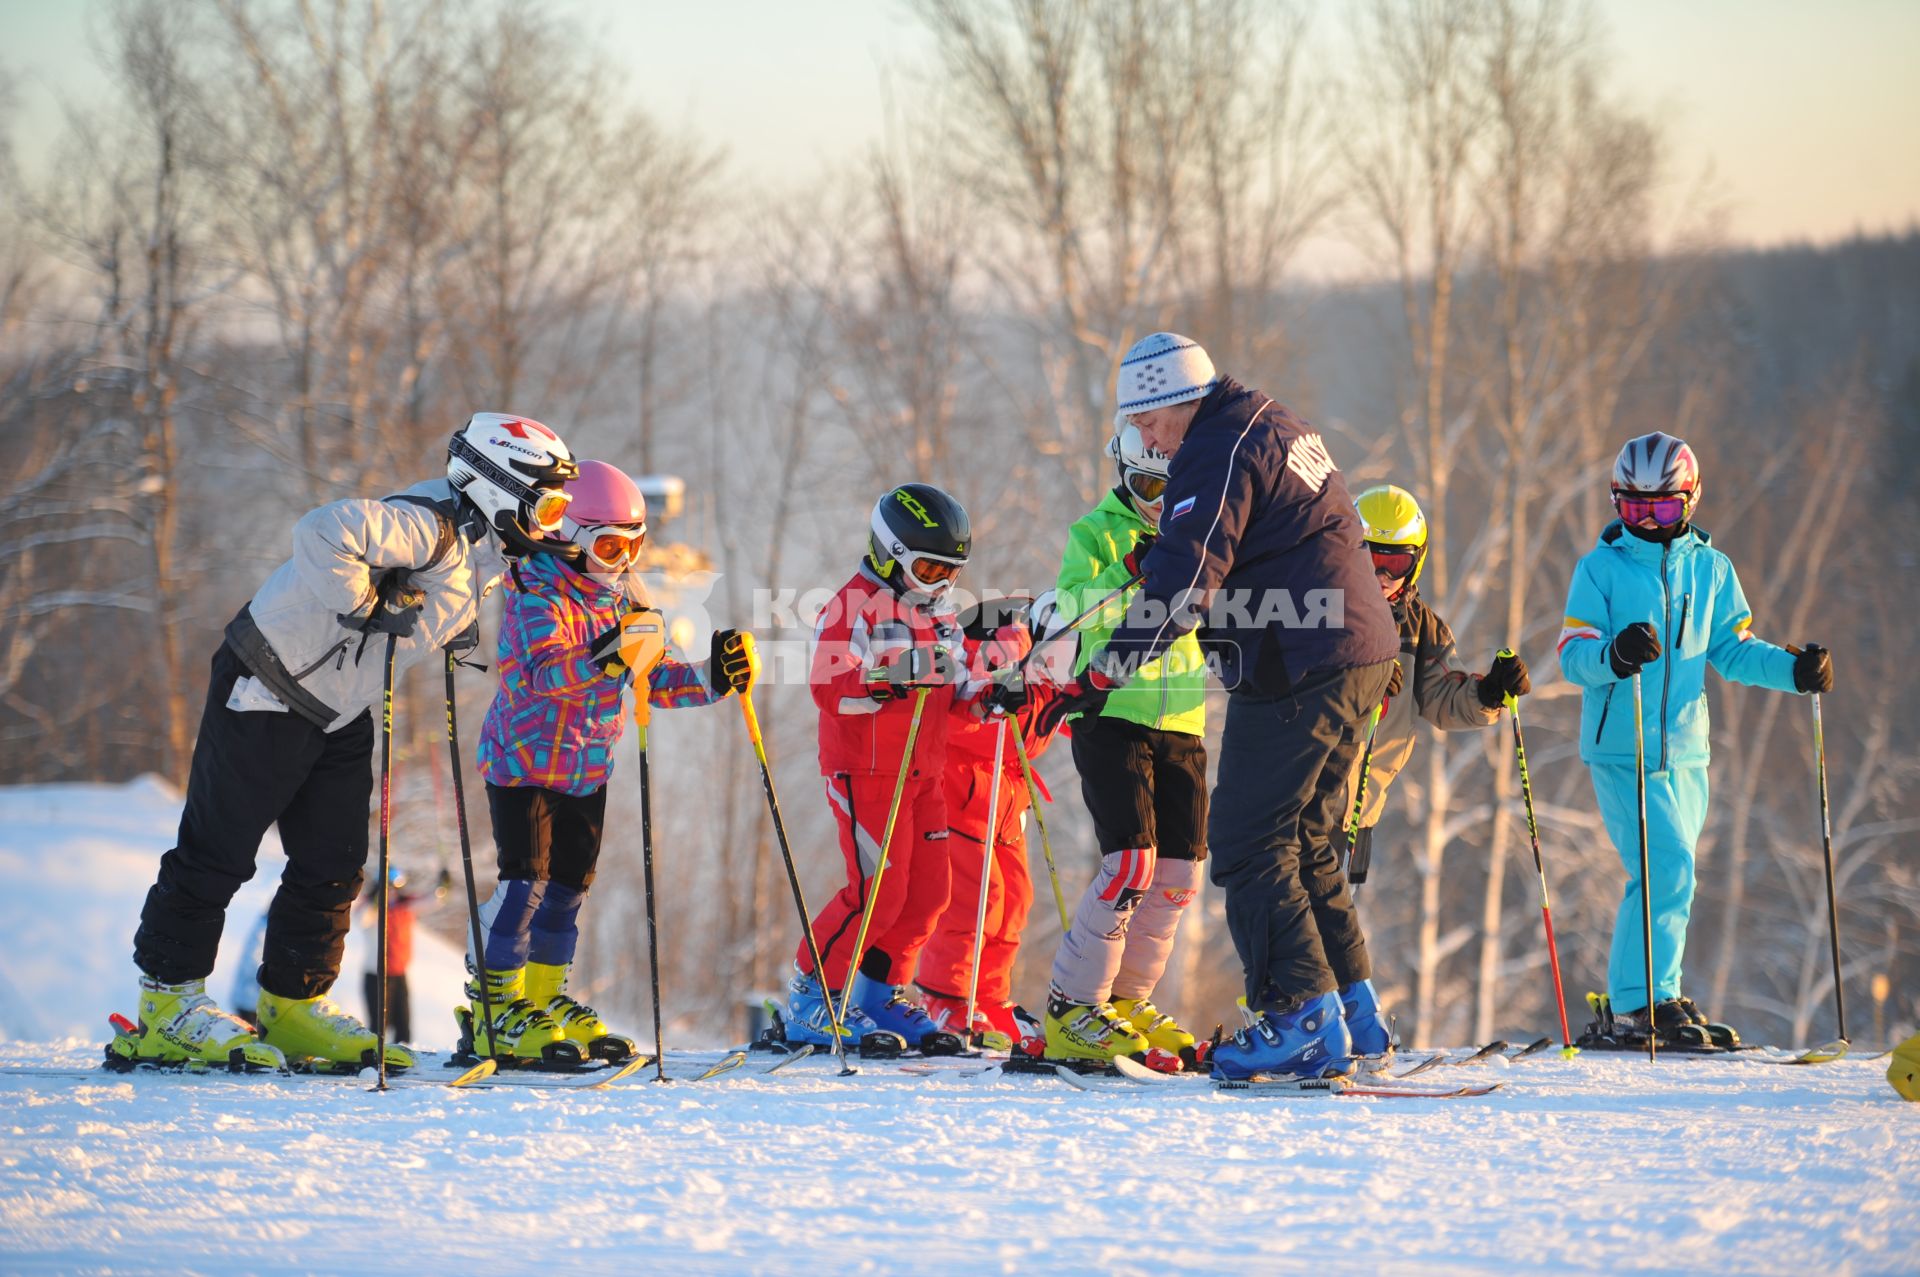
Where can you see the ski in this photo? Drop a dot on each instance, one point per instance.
(1340, 1086)
(799, 1053)
(728, 1063)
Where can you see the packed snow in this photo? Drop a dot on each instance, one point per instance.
(1594, 1164)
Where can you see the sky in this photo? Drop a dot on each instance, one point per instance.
(1802, 118)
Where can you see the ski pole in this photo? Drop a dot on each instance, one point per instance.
(986, 871)
(1360, 794)
(1040, 821)
(1826, 843)
(793, 875)
(643, 643)
(1646, 899)
(386, 830)
(466, 866)
(1567, 1048)
(886, 844)
(1081, 619)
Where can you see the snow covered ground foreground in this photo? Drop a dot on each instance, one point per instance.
(1593, 1165)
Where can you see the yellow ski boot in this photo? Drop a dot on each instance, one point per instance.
(1156, 1026)
(579, 1023)
(180, 1026)
(521, 1032)
(1083, 1031)
(318, 1030)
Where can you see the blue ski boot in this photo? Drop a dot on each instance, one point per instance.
(809, 1021)
(1367, 1025)
(1308, 1041)
(888, 1007)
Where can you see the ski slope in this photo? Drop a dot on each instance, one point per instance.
(1599, 1164)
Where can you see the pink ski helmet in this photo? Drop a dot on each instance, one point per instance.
(607, 517)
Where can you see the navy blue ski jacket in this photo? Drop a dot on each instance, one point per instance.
(1260, 550)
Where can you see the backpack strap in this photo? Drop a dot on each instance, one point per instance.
(444, 516)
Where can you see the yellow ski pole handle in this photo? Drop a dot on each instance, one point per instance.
(1040, 820)
(886, 844)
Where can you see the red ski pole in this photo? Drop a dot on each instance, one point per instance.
(1567, 1048)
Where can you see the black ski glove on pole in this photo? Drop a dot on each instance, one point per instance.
(730, 661)
(396, 607)
(1812, 668)
(1632, 648)
(1507, 676)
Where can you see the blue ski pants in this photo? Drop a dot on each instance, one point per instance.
(1676, 812)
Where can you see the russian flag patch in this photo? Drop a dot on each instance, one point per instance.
(1179, 509)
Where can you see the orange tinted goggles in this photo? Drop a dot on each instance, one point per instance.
(614, 546)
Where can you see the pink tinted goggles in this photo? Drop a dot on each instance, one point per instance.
(1666, 509)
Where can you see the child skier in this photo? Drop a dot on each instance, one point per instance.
(998, 638)
(571, 641)
(287, 737)
(1655, 598)
(887, 640)
(1143, 775)
(1442, 693)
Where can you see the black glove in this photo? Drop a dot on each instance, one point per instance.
(466, 640)
(1008, 697)
(396, 607)
(1396, 680)
(1812, 668)
(730, 661)
(1085, 695)
(1507, 676)
(914, 667)
(1137, 556)
(1631, 648)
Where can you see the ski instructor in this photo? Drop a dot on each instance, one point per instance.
(1259, 548)
(287, 738)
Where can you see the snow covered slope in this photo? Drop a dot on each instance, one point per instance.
(75, 865)
(1595, 1165)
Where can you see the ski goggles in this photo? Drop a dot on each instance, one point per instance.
(931, 572)
(612, 547)
(1394, 561)
(1146, 488)
(1665, 508)
(548, 507)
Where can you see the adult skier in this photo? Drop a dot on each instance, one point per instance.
(1655, 598)
(1259, 538)
(887, 639)
(1440, 691)
(287, 737)
(574, 636)
(998, 637)
(1142, 759)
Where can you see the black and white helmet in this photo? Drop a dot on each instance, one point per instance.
(1143, 469)
(512, 468)
(919, 540)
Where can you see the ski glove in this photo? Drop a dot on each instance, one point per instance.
(1631, 648)
(396, 607)
(1084, 695)
(914, 667)
(1507, 676)
(1812, 668)
(637, 643)
(1004, 697)
(466, 640)
(730, 662)
(1137, 556)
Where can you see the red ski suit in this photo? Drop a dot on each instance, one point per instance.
(946, 964)
(862, 740)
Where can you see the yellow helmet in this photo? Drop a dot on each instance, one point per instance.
(1393, 521)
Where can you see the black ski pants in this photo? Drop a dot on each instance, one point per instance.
(250, 771)
(1277, 802)
(1143, 787)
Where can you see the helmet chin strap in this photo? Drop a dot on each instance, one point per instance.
(516, 542)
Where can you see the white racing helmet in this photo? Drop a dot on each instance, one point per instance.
(512, 469)
(1143, 470)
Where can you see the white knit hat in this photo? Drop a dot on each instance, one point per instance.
(1162, 369)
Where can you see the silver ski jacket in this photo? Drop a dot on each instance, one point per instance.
(291, 635)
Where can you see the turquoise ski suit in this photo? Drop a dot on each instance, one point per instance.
(1688, 592)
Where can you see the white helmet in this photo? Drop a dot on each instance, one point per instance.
(1143, 470)
(512, 468)
(1659, 477)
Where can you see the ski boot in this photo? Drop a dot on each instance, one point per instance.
(947, 1011)
(1307, 1040)
(1372, 1034)
(179, 1025)
(1093, 1031)
(809, 1021)
(893, 1012)
(547, 989)
(1028, 1032)
(318, 1031)
(1699, 1030)
(1161, 1030)
(521, 1032)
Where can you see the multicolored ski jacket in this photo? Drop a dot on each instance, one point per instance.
(1688, 592)
(556, 718)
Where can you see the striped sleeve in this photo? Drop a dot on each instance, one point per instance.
(1583, 633)
(674, 684)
